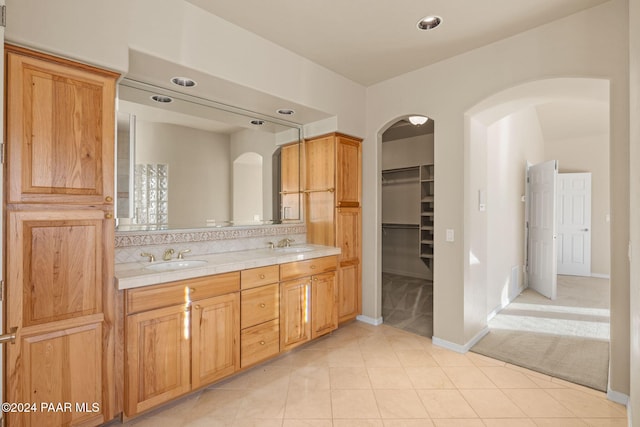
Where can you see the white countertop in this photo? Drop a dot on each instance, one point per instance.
(134, 274)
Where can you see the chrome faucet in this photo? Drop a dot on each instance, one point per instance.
(167, 254)
(285, 243)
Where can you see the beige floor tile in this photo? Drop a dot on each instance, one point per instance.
(309, 378)
(263, 403)
(217, 403)
(587, 405)
(211, 422)
(307, 423)
(482, 360)
(450, 358)
(309, 357)
(308, 404)
(537, 403)
(544, 382)
(415, 358)
(350, 404)
(380, 358)
(407, 342)
(428, 378)
(349, 378)
(468, 377)
(528, 372)
(446, 404)
(567, 384)
(262, 377)
(559, 422)
(492, 403)
(400, 404)
(374, 343)
(458, 423)
(424, 422)
(508, 422)
(508, 378)
(348, 357)
(389, 378)
(606, 422)
(357, 423)
(255, 422)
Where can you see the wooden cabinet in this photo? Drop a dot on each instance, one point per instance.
(60, 235)
(305, 296)
(290, 183)
(60, 130)
(259, 314)
(333, 213)
(179, 337)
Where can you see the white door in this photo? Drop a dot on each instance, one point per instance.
(541, 253)
(574, 224)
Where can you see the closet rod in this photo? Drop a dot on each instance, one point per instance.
(406, 169)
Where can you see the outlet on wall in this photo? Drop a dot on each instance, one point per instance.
(450, 237)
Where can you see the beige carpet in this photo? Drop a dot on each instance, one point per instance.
(567, 338)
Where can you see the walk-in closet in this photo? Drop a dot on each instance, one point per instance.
(408, 189)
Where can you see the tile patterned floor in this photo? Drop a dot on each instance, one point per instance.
(407, 303)
(364, 375)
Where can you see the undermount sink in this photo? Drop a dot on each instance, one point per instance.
(294, 249)
(175, 264)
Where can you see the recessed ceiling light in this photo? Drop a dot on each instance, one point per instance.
(161, 98)
(429, 22)
(183, 81)
(257, 122)
(286, 111)
(418, 120)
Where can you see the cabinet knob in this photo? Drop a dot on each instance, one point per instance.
(197, 307)
(262, 276)
(108, 215)
(192, 290)
(262, 343)
(108, 199)
(313, 267)
(262, 305)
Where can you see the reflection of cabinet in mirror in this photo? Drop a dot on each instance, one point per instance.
(290, 182)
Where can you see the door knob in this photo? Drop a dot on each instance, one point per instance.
(10, 337)
(584, 229)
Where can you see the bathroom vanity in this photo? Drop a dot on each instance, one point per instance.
(188, 327)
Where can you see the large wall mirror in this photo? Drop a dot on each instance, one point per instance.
(187, 162)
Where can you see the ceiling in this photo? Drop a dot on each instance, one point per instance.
(369, 41)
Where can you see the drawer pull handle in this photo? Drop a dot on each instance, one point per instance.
(262, 276)
(313, 267)
(262, 305)
(262, 343)
(192, 290)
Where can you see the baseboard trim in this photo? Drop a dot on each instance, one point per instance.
(460, 348)
(616, 396)
(502, 306)
(600, 276)
(369, 320)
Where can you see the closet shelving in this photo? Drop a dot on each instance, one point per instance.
(427, 187)
(400, 185)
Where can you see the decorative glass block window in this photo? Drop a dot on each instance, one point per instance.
(151, 194)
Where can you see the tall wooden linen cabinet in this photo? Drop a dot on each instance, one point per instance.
(59, 240)
(333, 211)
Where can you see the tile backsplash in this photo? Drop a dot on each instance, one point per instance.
(129, 244)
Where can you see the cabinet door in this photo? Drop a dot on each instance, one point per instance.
(324, 312)
(60, 130)
(349, 292)
(320, 190)
(295, 322)
(348, 172)
(57, 366)
(157, 358)
(348, 234)
(215, 338)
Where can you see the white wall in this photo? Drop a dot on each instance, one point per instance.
(199, 170)
(246, 188)
(512, 142)
(444, 92)
(634, 296)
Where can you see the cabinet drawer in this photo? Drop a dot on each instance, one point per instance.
(259, 305)
(258, 276)
(310, 267)
(259, 343)
(157, 296)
